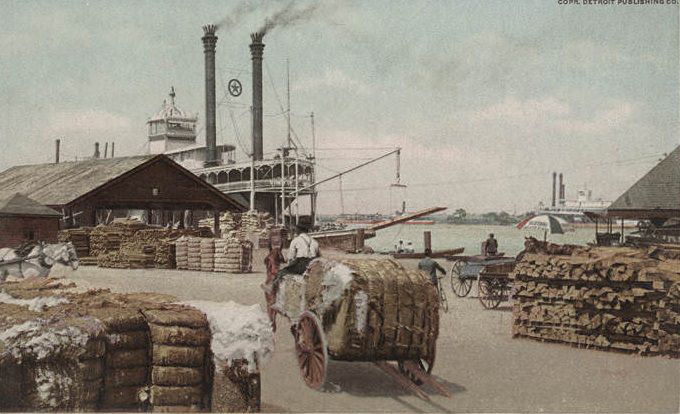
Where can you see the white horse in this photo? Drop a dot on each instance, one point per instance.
(38, 262)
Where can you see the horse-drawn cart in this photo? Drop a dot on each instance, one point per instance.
(37, 261)
(490, 272)
(363, 310)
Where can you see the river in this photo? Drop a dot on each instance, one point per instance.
(448, 236)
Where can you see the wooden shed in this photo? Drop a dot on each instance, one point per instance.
(656, 196)
(84, 191)
(24, 219)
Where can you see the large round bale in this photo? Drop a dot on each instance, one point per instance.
(373, 309)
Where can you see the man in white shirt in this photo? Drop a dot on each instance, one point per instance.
(303, 249)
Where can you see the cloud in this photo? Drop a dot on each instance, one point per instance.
(553, 115)
(86, 121)
(334, 78)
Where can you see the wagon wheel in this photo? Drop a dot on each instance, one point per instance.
(460, 286)
(426, 364)
(310, 349)
(491, 292)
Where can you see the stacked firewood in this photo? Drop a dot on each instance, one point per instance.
(104, 239)
(618, 298)
(80, 238)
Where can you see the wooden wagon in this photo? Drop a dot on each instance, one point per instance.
(363, 310)
(490, 272)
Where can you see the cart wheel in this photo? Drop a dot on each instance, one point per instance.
(310, 348)
(490, 293)
(460, 286)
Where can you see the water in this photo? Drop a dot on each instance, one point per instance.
(449, 236)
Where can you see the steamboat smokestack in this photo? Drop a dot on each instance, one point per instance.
(554, 189)
(561, 187)
(256, 50)
(96, 150)
(57, 143)
(209, 44)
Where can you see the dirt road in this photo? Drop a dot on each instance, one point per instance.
(477, 359)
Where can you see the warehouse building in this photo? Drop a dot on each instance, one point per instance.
(90, 192)
(23, 219)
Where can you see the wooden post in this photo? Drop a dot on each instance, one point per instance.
(427, 240)
(216, 223)
(359, 240)
(622, 237)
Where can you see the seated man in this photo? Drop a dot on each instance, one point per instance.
(303, 249)
(491, 246)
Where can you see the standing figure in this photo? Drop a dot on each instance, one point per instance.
(430, 266)
(273, 263)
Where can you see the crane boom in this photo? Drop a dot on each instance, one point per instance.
(356, 167)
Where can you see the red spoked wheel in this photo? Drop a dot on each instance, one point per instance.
(311, 351)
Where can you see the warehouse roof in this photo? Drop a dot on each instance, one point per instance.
(657, 191)
(58, 184)
(63, 183)
(20, 205)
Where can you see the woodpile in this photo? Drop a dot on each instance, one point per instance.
(613, 298)
(80, 238)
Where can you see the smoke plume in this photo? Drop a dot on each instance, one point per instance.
(288, 16)
(242, 9)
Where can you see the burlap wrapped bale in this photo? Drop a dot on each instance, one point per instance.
(184, 396)
(177, 376)
(177, 409)
(179, 335)
(128, 340)
(127, 398)
(178, 356)
(126, 377)
(127, 358)
(176, 315)
(370, 309)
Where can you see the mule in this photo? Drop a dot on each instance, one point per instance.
(38, 262)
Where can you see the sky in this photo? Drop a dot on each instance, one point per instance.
(485, 98)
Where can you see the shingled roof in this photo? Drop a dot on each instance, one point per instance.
(20, 205)
(657, 191)
(61, 184)
(58, 184)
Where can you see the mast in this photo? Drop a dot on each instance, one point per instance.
(313, 195)
(288, 142)
(252, 173)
